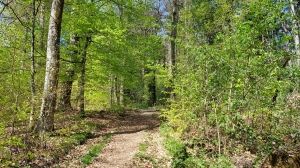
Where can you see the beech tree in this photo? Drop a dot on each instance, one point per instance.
(33, 71)
(46, 118)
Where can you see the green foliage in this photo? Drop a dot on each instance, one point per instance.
(231, 83)
(180, 157)
(81, 137)
(221, 161)
(67, 146)
(73, 140)
(143, 146)
(90, 125)
(87, 160)
(7, 145)
(176, 148)
(235, 80)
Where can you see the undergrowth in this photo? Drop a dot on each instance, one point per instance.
(184, 155)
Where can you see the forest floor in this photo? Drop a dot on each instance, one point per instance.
(134, 141)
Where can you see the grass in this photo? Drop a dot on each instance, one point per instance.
(95, 150)
(146, 157)
(143, 146)
(142, 158)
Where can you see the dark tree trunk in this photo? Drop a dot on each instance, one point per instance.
(64, 103)
(82, 77)
(175, 18)
(152, 90)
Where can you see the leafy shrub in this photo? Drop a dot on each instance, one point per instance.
(82, 137)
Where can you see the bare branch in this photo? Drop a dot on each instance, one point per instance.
(18, 18)
(2, 10)
(75, 62)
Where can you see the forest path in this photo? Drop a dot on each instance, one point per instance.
(129, 131)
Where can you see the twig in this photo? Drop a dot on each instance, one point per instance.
(7, 5)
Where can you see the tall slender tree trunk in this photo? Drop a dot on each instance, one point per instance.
(46, 118)
(64, 102)
(32, 74)
(82, 77)
(175, 18)
(121, 97)
(295, 27)
(295, 32)
(111, 89)
(115, 90)
(42, 27)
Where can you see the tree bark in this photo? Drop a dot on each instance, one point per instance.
(152, 90)
(295, 33)
(111, 89)
(46, 118)
(42, 27)
(32, 74)
(115, 90)
(175, 18)
(64, 103)
(82, 77)
(121, 97)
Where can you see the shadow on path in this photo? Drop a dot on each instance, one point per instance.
(125, 123)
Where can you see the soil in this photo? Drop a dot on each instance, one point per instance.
(129, 130)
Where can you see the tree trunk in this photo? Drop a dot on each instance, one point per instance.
(64, 103)
(111, 89)
(82, 78)
(115, 90)
(42, 27)
(295, 33)
(32, 74)
(46, 118)
(121, 99)
(152, 91)
(175, 18)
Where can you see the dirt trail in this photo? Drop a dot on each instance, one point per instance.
(129, 130)
(120, 151)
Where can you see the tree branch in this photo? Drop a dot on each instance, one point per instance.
(2, 10)
(7, 5)
(74, 62)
